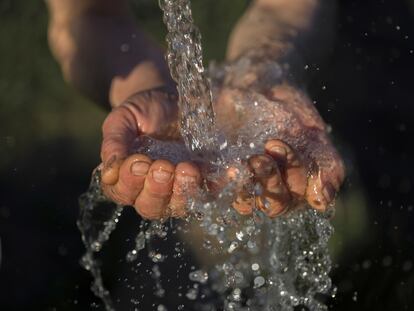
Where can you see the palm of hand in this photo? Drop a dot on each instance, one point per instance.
(294, 159)
(156, 188)
(296, 163)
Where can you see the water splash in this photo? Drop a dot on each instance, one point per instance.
(262, 263)
(185, 60)
(96, 226)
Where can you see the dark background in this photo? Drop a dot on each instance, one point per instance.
(50, 136)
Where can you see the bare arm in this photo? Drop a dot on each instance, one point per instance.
(295, 32)
(287, 34)
(102, 51)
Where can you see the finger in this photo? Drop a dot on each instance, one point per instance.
(110, 171)
(319, 194)
(217, 180)
(244, 201)
(131, 180)
(119, 131)
(153, 200)
(292, 169)
(187, 179)
(325, 180)
(324, 183)
(274, 198)
(260, 166)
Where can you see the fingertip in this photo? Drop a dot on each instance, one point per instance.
(262, 165)
(273, 183)
(319, 195)
(188, 169)
(273, 206)
(233, 173)
(149, 213)
(153, 200)
(244, 206)
(292, 168)
(186, 184)
(328, 192)
(277, 149)
(110, 171)
(317, 205)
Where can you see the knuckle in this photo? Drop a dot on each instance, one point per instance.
(160, 194)
(110, 119)
(147, 212)
(118, 196)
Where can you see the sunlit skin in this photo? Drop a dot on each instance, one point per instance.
(144, 103)
(158, 189)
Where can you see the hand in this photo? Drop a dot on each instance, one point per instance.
(298, 163)
(156, 188)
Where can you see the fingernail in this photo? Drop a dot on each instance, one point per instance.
(161, 176)
(328, 193)
(280, 151)
(139, 168)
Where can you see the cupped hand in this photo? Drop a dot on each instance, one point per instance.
(155, 187)
(298, 162)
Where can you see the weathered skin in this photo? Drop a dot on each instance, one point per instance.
(298, 164)
(134, 179)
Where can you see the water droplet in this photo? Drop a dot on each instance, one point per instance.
(161, 308)
(236, 294)
(240, 235)
(232, 247)
(355, 296)
(387, 261)
(407, 265)
(192, 294)
(255, 267)
(124, 47)
(199, 276)
(259, 281)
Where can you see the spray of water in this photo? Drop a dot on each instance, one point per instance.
(262, 263)
(185, 60)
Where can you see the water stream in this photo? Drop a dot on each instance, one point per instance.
(260, 263)
(185, 60)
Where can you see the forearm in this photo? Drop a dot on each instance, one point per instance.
(102, 52)
(69, 9)
(292, 32)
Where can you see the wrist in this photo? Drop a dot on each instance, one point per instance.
(146, 75)
(66, 10)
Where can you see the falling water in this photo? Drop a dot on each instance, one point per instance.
(261, 263)
(96, 223)
(185, 60)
